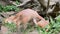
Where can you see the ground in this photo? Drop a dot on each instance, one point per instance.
(4, 30)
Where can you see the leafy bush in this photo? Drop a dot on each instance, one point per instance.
(8, 8)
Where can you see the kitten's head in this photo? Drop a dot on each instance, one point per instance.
(9, 19)
(43, 23)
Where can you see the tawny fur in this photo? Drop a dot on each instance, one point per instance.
(25, 16)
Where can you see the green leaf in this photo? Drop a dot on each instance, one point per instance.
(58, 18)
(52, 21)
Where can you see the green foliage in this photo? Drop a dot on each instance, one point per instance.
(53, 27)
(1, 8)
(8, 8)
(11, 8)
(17, 2)
(58, 18)
(11, 27)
